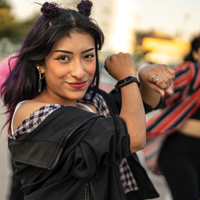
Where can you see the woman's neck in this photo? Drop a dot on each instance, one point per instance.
(44, 96)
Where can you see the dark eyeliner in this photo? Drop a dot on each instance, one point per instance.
(59, 58)
(91, 55)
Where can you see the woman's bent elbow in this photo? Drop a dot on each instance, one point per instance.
(136, 146)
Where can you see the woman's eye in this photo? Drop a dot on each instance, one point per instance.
(63, 58)
(89, 56)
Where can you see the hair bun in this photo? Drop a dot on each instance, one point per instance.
(49, 9)
(84, 8)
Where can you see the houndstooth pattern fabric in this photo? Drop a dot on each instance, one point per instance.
(35, 119)
(126, 176)
(99, 103)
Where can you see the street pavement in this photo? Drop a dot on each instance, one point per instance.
(5, 171)
(158, 180)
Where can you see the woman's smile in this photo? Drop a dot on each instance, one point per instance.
(78, 84)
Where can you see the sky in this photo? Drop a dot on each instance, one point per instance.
(174, 17)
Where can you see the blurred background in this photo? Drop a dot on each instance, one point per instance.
(152, 31)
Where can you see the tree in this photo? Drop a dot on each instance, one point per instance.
(6, 20)
(9, 27)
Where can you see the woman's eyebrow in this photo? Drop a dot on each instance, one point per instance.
(69, 52)
(63, 51)
(87, 50)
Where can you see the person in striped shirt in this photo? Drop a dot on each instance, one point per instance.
(173, 143)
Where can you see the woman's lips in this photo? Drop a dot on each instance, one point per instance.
(78, 85)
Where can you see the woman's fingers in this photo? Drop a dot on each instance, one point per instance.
(163, 76)
(159, 77)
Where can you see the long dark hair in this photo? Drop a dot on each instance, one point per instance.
(195, 44)
(22, 82)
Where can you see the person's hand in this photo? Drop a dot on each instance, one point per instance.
(169, 91)
(120, 66)
(159, 77)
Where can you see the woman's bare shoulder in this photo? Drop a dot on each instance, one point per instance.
(26, 109)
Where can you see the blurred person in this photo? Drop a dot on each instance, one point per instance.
(14, 192)
(4, 68)
(173, 143)
(68, 138)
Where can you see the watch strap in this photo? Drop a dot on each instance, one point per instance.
(126, 81)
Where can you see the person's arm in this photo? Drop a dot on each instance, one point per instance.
(120, 66)
(150, 88)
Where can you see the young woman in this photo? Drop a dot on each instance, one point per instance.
(179, 159)
(68, 139)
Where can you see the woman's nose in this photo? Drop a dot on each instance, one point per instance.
(77, 69)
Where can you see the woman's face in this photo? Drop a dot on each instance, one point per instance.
(70, 67)
(196, 55)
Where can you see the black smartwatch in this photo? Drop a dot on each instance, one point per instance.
(126, 81)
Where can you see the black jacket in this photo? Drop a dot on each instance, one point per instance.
(77, 157)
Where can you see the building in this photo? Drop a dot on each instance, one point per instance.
(117, 19)
(161, 48)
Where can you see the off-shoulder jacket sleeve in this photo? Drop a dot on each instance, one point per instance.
(79, 143)
(106, 143)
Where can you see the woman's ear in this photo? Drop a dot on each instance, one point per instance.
(40, 68)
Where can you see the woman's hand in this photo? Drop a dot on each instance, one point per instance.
(154, 80)
(120, 66)
(164, 75)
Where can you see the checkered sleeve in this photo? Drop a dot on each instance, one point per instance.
(127, 178)
(35, 119)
